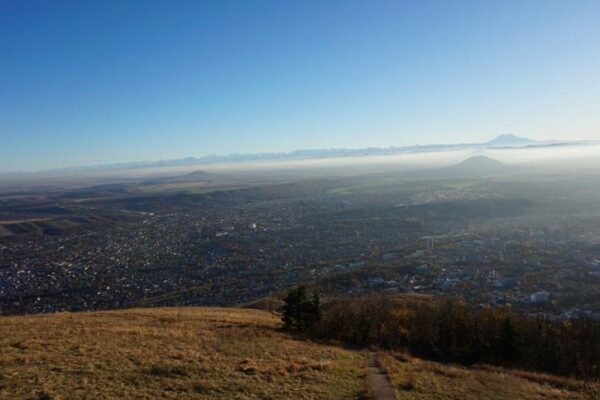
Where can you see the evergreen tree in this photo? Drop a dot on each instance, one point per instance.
(301, 311)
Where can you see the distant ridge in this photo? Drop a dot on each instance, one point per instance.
(500, 142)
(194, 176)
(480, 163)
(510, 141)
(473, 167)
(197, 174)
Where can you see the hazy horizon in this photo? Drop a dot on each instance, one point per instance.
(417, 159)
(109, 82)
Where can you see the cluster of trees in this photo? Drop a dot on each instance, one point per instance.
(301, 310)
(452, 330)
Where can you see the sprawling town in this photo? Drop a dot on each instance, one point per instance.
(489, 250)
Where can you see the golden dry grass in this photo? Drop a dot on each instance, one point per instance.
(417, 379)
(216, 353)
(178, 353)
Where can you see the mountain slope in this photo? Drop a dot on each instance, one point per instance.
(224, 353)
(418, 379)
(183, 353)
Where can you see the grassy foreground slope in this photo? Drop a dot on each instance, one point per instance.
(418, 379)
(226, 353)
(169, 353)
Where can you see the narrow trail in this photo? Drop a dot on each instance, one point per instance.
(378, 380)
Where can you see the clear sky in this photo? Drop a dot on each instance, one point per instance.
(89, 82)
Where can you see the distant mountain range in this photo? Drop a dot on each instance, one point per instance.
(502, 141)
(511, 141)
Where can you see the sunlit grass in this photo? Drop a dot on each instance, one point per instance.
(169, 353)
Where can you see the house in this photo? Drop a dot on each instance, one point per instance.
(540, 297)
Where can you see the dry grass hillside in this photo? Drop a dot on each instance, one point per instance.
(417, 379)
(217, 353)
(169, 353)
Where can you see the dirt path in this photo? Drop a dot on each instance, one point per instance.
(378, 380)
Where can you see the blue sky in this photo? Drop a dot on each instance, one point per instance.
(89, 82)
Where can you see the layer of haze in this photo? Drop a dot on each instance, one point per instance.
(114, 81)
(573, 160)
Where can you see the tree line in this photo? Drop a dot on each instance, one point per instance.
(447, 329)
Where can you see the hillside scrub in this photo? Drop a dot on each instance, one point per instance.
(451, 330)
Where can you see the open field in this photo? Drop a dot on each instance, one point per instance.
(417, 379)
(169, 353)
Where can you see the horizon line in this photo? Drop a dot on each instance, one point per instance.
(214, 157)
